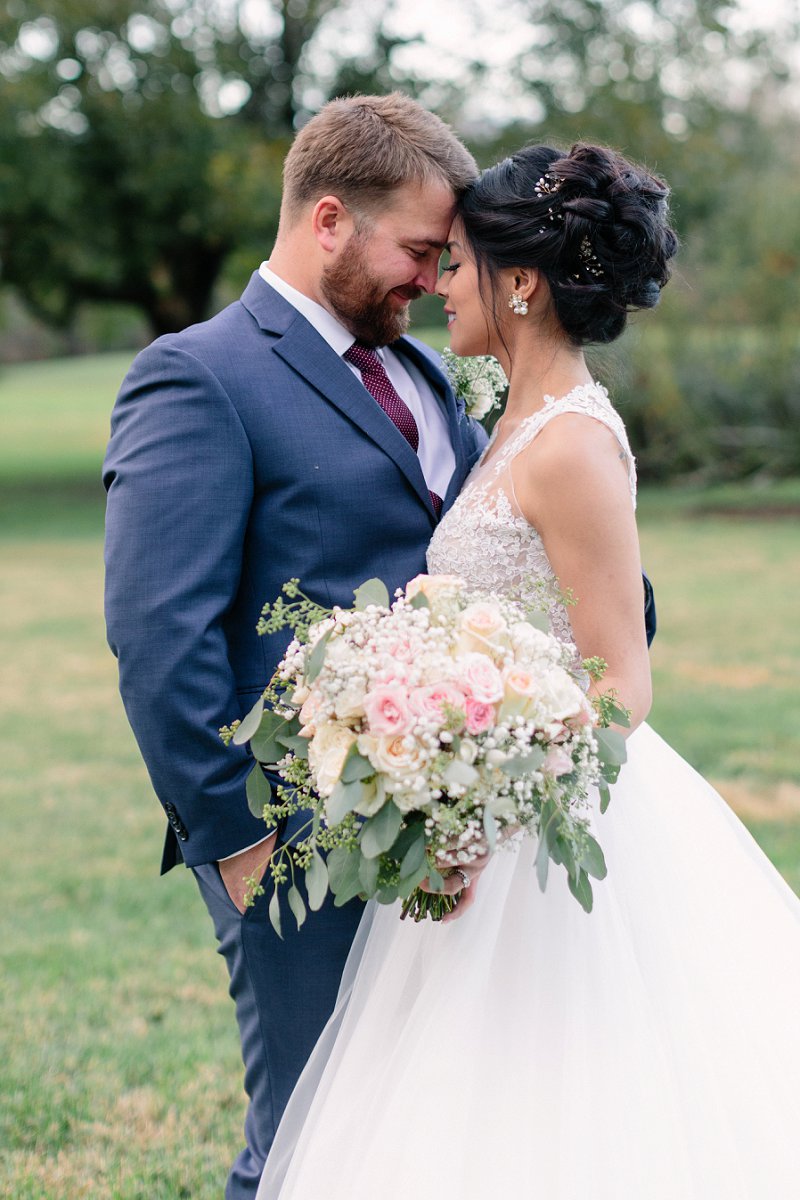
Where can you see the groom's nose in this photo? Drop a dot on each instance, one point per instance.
(428, 275)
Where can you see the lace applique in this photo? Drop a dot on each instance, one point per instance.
(486, 540)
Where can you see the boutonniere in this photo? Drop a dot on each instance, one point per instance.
(478, 383)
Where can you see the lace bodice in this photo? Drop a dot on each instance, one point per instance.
(485, 539)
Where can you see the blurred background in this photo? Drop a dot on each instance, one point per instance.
(141, 144)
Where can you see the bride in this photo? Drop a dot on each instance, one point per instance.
(649, 1050)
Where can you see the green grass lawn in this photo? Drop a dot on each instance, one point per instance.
(120, 1071)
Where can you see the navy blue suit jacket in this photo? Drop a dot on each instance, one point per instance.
(244, 452)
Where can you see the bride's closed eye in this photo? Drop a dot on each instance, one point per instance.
(451, 267)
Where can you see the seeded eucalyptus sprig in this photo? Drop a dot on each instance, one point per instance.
(298, 617)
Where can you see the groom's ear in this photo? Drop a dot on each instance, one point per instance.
(331, 223)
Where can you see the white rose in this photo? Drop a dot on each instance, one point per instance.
(350, 702)
(530, 643)
(327, 751)
(481, 399)
(560, 696)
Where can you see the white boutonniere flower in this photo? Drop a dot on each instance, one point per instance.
(478, 383)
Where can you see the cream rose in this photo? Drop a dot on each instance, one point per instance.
(432, 585)
(481, 625)
(395, 754)
(350, 702)
(327, 751)
(521, 688)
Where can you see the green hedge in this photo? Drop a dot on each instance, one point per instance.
(710, 404)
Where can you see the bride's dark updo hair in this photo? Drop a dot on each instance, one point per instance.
(593, 224)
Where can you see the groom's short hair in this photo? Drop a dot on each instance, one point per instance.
(361, 148)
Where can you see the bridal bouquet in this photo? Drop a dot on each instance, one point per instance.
(417, 735)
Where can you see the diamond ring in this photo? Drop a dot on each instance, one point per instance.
(462, 875)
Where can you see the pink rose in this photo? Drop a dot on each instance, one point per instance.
(480, 677)
(480, 715)
(431, 701)
(402, 651)
(557, 762)
(387, 710)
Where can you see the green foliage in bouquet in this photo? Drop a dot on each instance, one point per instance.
(472, 776)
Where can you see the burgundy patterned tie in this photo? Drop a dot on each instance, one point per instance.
(380, 386)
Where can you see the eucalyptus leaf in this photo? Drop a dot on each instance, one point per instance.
(420, 601)
(407, 883)
(605, 796)
(368, 874)
(611, 746)
(348, 892)
(316, 657)
(619, 715)
(265, 749)
(414, 856)
(388, 894)
(435, 879)
(490, 828)
(343, 868)
(374, 591)
(342, 800)
(275, 914)
(258, 791)
(298, 745)
(250, 723)
(356, 766)
(524, 765)
(542, 861)
(316, 881)
(379, 832)
(539, 620)
(581, 889)
(297, 905)
(593, 860)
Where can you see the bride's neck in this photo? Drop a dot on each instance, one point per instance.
(538, 369)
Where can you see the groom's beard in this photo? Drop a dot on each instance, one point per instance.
(359, 298)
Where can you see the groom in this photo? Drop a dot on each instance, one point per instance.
(268, 443)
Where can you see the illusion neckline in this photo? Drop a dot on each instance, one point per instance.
(549, 402)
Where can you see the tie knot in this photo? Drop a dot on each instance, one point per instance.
(362, 357)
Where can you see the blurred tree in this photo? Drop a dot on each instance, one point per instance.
(118, 180)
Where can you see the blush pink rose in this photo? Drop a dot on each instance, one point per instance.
(387, 710)
(431, 701)
(480, 715)
(480, 677)
(557, 762)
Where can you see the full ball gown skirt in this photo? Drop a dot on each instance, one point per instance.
(649, 1050)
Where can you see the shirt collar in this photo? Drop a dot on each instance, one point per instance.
(327, 326)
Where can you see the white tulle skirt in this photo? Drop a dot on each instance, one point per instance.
(647, 1051)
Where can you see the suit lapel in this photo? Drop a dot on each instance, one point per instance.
(455, 414)
(310, 356)
(307, 353)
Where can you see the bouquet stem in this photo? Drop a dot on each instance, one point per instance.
(422, 905)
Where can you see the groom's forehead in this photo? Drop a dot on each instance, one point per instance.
(428, 207)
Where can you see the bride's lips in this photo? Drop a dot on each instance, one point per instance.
(451, 316)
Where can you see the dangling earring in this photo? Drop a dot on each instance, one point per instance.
(518, 304)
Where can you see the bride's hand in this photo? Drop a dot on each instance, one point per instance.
(454, 885)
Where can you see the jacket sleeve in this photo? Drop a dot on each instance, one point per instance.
(179, 477)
